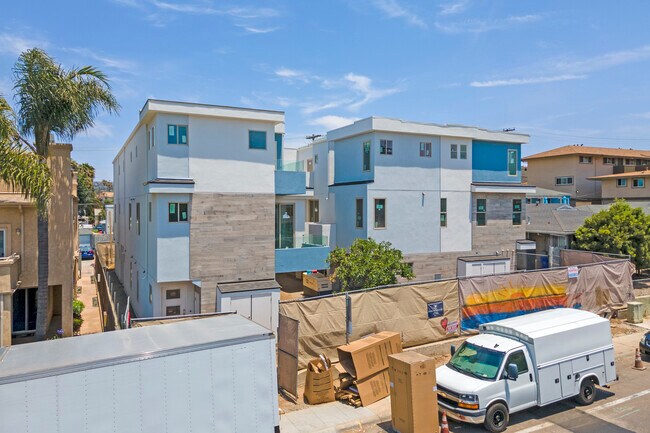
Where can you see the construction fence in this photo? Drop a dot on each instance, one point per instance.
(433, 311)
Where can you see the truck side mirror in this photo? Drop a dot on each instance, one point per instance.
(452, 350)
(512, 373)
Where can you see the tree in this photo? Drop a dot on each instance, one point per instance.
(368, 264)
(620, 229)
(86, 193)
(52, 100)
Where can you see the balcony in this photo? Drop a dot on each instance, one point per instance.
(9, 271)
(301, 253)
(290, 178)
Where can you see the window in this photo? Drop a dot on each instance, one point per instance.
(366, 156)
(564, 180)
(129, 216)
(380, 213)
(312, 214)
(119, 209)
(137, 218)
(481, 205)
(257, 140)
(512, 162)
(516, 212)
(454, 151)
(310, 165)
(173, 294)
(150, 294)
(131, 156)
(316, 159)
(386, 147)
(3, 246)
(586, 159)
(638, 183)
(136, 150)
(177, 212)
(130, 276)
(176, 134)
(137, 284)
(359, 213)
(610, 161)
(425, 150)
(149, 211)
(629, 162)
(621, 183)
(443, 212)
(519, 359)
(463, 151)
(173, 311)
(152, 140)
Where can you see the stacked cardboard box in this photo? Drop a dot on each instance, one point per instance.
(365, 362)
(413, 399)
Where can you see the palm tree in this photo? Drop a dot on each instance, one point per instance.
(51, 99)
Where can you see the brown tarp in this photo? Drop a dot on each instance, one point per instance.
(600, 287)
(577, 257)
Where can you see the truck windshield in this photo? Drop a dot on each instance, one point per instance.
(477, 361)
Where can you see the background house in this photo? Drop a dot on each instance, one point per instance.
(630, 185)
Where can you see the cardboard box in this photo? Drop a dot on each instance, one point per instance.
(373, 388)
(365, 357)
(413, 393)
(319, 386)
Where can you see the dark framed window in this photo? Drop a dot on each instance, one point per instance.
(512, 162)
(638, 183)
(130, 218)
(586, 159)
(173, 294)
(463, 151)
(177, 134)
(425, 149)
(564, 180)
(516, 212)
(386, 147)
(312, 213)
(173, 311)
(150, 294)
(380, 213)
(621, 183)
(453, 154)
(257, 139)
(443, 212)
(149, 212)
(481, 211)
(359, 213)
(178, 212)
(366, 156)
(137, 218)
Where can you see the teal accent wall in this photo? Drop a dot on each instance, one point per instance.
(490, 162)
(290, 182)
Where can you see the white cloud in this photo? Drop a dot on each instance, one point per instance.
(258, 30)
(453, 8)
(314, 107)
(332, 122)
(16, 45)
(362, 85)
(522, 81)
(99, 130)
(122, 65)
(604, 61)
(392, 9)
(482, 26)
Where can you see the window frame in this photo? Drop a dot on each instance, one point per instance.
(310, 165)
(358, 206)
(516, 212)
(386, 147)
(178, 212)
(443, 212)
(463, 151)
(558, 180)
(483, 213)
(130, 216)
(375, 200)
(426, 149)
(453, 151)
(636, 180)
(609, 161)
(3, 243)
(582, 159)
(177, 133)
(149, 212)
(250, 141)
(517, 352)
(621, 183)
(510, 151)
(137, 217)
(366, 147)
(313, 211)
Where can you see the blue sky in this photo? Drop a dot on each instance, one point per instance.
(564, 72)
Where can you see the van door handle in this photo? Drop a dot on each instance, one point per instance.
(531, 376)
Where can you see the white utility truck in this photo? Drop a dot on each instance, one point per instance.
(526, 361)
(214, 374)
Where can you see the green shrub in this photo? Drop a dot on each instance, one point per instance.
(77, 308)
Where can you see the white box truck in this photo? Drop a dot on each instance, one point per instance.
(213, 374)
(525, 361)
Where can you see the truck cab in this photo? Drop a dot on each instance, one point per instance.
(517, 363)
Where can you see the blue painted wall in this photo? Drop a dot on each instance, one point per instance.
(348, 159)
(490, 162)
(290, 182)
(300, 259)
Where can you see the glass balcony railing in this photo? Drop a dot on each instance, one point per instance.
(291, 166)
(314, 241)
(304, 241)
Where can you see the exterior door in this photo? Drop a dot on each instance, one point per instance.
(24, 311)
(521, 393)
(284, 226)
(173, 304)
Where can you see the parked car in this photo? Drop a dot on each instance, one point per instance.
(644, 344)
(101, 228)
(87, 252)
(517, 363)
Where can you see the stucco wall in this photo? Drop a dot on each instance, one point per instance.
(346, 231)
(348, 159)
(611, 192)
(490, 162)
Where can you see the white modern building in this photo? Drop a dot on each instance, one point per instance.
(195, 210)
(436, 192)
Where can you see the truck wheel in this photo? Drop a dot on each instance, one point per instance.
(587, 393)
(496, 418)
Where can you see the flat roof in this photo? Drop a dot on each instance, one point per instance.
(52, 357)
(486, 258)
(574, 149)
(247, 286)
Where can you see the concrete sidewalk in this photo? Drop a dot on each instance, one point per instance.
(337, 417)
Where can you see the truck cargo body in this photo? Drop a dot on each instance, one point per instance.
(207, 375)
(555, 354)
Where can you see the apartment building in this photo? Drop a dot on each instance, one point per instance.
(195, 210)
(436, 192)
(629, 185)
(577, 170)
(19, 253)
